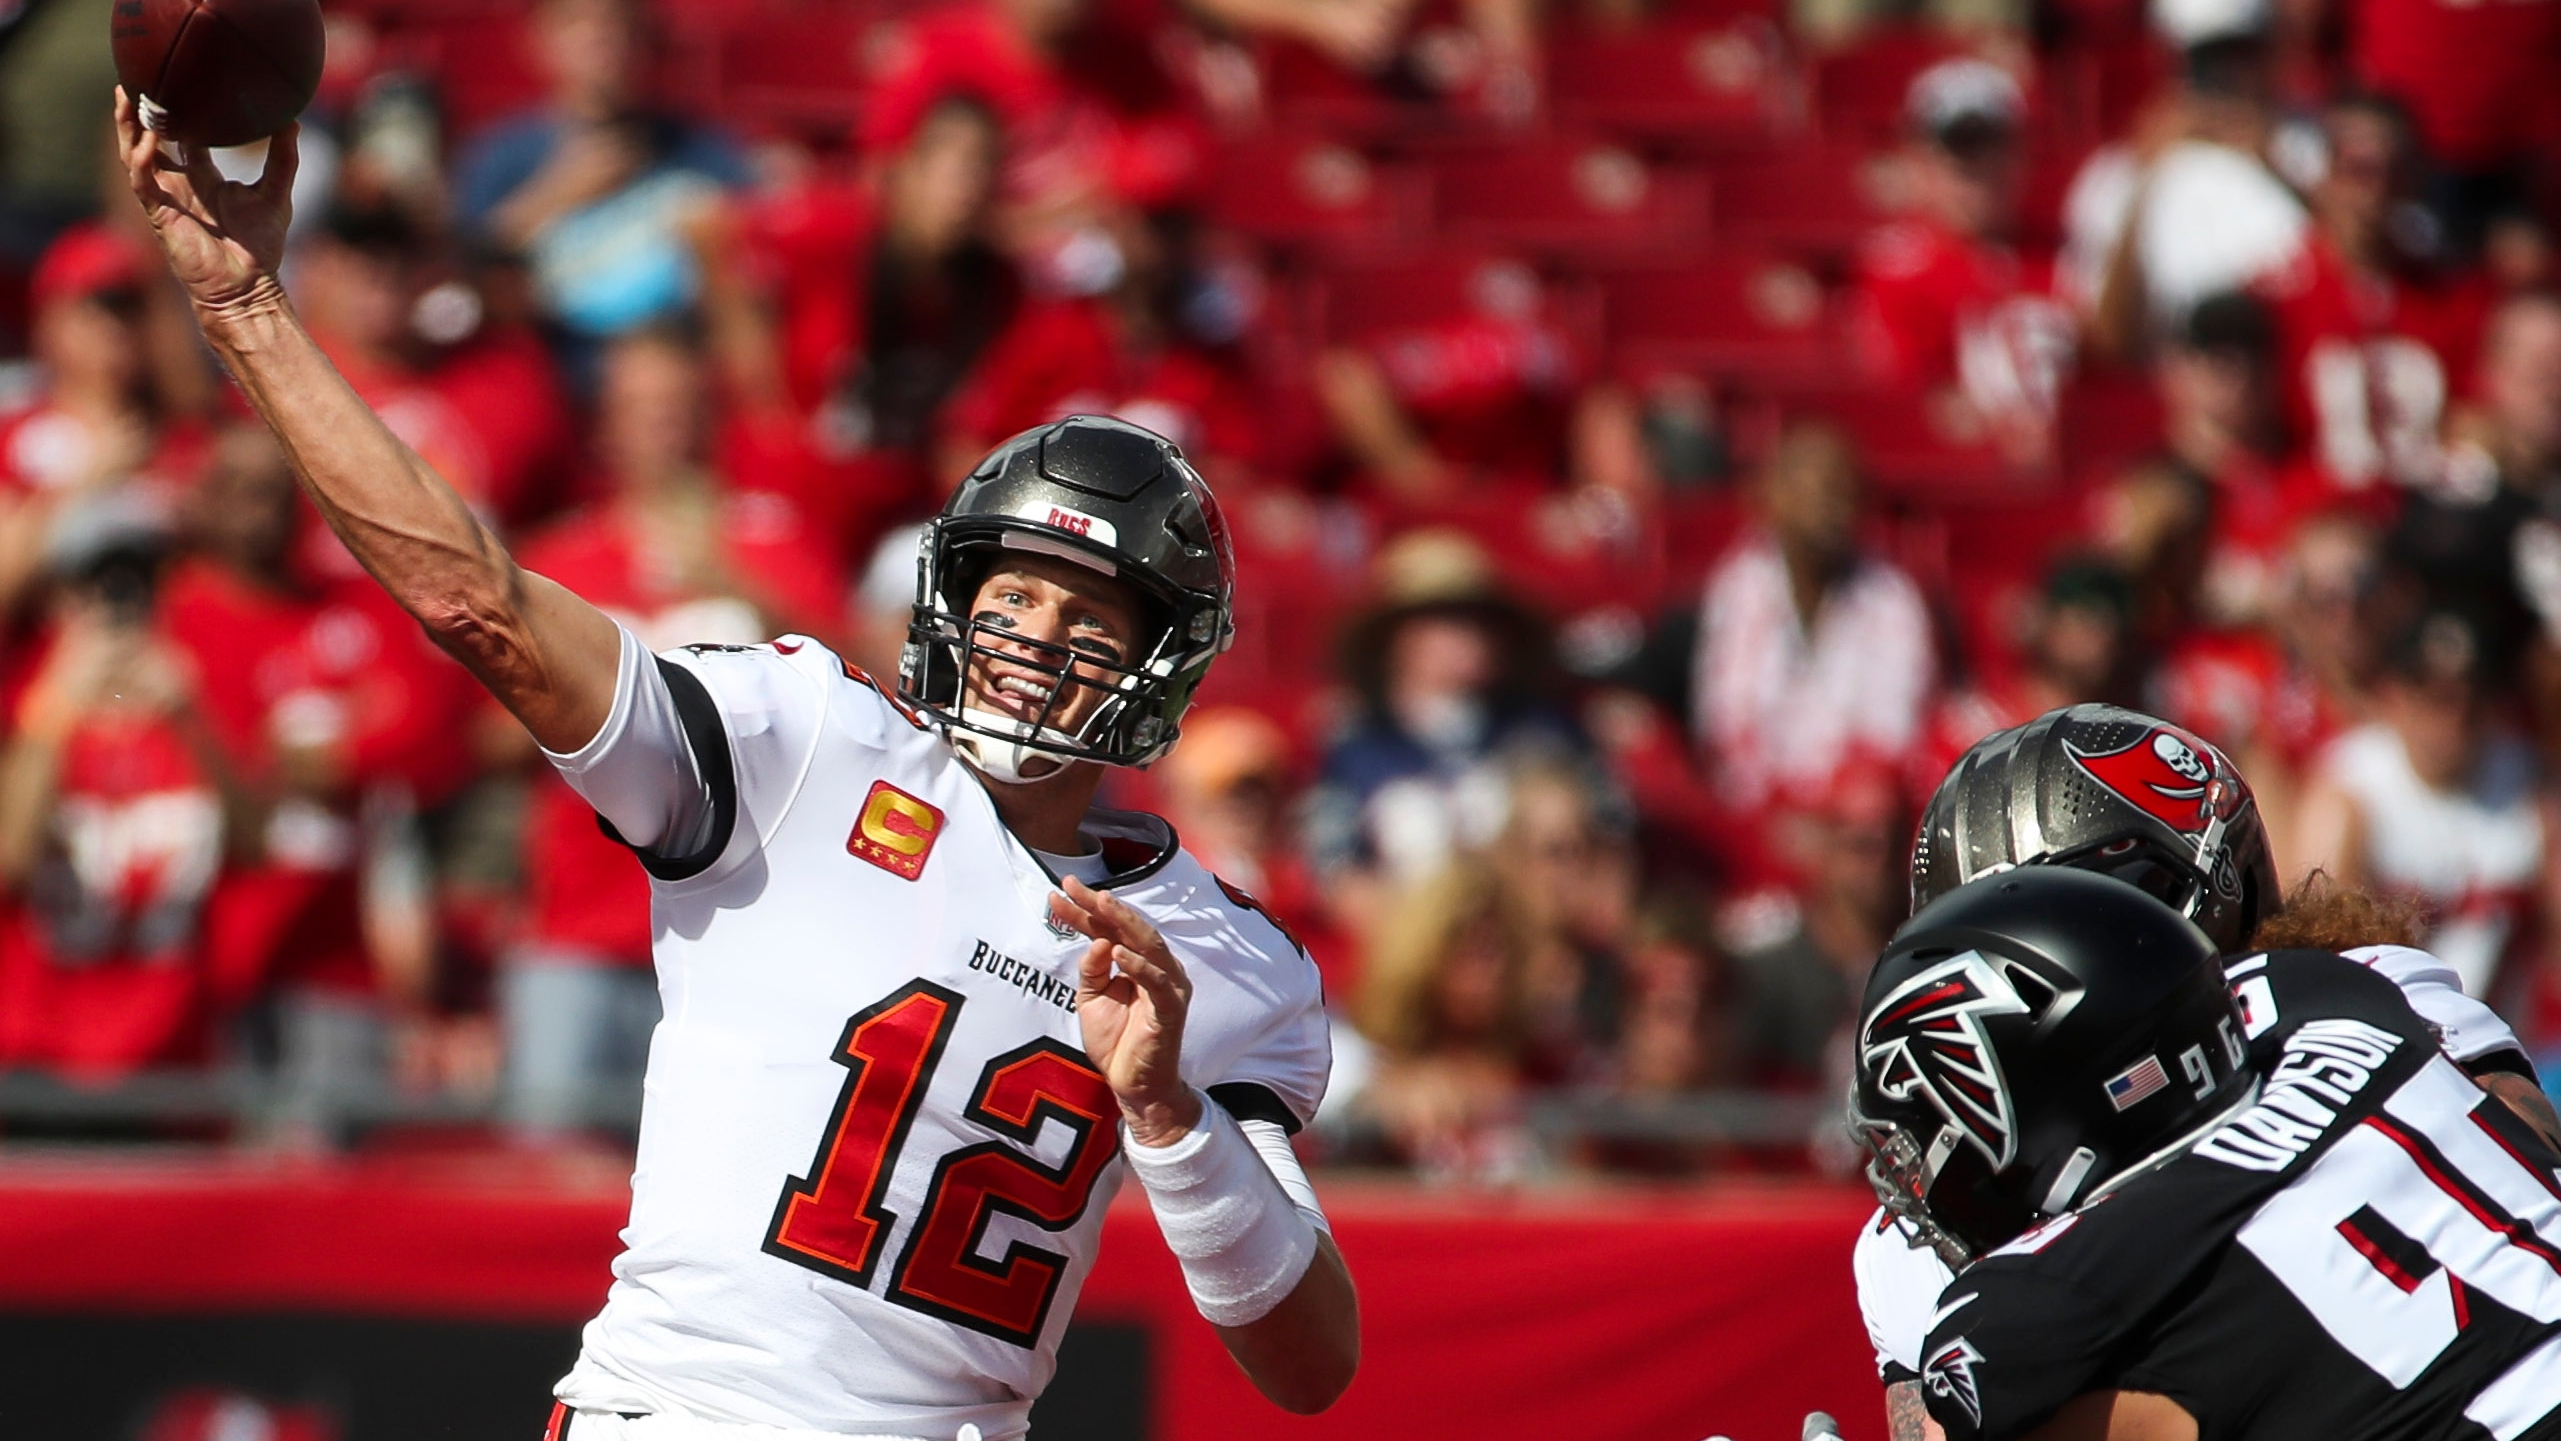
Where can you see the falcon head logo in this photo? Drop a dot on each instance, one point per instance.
(2168, 775)
(1926, 1037)
(1950, 1373)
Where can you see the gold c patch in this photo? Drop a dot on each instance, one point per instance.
(895, 832)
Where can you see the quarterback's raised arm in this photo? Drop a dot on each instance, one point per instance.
(547, 655)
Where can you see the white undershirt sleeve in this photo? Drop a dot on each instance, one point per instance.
(639, 771)
(1281, 1159)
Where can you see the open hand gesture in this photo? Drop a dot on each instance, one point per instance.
(224, 240)
(1131, 996)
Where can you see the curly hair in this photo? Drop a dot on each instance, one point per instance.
(2322, 915)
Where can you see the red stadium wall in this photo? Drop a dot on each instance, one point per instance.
(1644, 1317)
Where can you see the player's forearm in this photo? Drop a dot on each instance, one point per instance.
(1907, 1415)
(546, 655)
(1302, 1354)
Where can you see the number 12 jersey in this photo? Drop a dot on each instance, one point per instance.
(873, 1158)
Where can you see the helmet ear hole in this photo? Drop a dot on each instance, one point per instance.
(2038, 993)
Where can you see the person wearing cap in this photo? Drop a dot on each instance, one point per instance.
(1944, 301)
(95, 422)
(1228, 789)
(2189, 205)
(1449, 674)
(2435, 798)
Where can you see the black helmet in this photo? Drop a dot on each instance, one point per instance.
(1105, 494)
(2029, 1038)
(2102, 788)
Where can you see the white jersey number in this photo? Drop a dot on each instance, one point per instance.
(2387, 1234)
(833, 1220)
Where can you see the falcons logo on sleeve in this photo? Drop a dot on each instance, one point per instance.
(1950, 1373)
(1927, 1036)
(2169, 775)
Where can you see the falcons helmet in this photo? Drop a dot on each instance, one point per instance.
(2106, 789)
(1107, 495)
(2029, 1040)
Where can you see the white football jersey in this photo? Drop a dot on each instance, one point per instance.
(873, 1158)
(1900, 1278)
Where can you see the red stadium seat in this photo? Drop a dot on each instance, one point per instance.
(805, 73)
(1817, 199)
(1858, 92)
(1354, 301)
(1727, 314)
(1313, 191)
(1915, 448)
(1694, 86)
(1584, 197)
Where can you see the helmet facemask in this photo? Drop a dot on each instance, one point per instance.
(1140, 699)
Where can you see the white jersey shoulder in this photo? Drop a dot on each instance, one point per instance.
(1899, 1281)
(873, 1158)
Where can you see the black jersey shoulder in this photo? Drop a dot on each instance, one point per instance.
(2064, 1310)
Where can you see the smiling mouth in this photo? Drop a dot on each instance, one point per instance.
(1018, 696)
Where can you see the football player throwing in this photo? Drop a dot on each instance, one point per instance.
(925, 1005)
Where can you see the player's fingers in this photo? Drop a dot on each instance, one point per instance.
(1165, 984)
(137, 147)
(1116, 915)
(1094, 969)
(284, 160)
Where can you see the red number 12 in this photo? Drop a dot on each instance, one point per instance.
(834, 1222)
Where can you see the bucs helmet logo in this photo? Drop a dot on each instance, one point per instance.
(2170, 776)
(1926, 1038)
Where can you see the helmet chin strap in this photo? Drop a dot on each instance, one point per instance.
(1009, 762)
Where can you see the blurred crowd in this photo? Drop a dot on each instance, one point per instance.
(1659, 436)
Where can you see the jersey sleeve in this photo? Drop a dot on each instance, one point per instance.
(1898, 1285)
(1256, 1038)
(751, 717)
(2009, 1344)
(643, 770)
(2467, 1030)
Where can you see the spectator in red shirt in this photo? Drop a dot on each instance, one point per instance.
(666, 555)
(97, 421)
(1129, 351)
(2076, 644)
(2477, 80)
(879, 299)
(1944, 301)
(2372, 341)
(1483, 396)
(490, 416)
(113, 819)
(2221, 434)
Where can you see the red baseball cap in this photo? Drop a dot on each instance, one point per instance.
(85, 261)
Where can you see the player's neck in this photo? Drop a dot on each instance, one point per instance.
(1047, 814)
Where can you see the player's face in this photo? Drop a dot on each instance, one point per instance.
(1056, 607)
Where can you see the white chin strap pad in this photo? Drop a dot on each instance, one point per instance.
(1011, 761)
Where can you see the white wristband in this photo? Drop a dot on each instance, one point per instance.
(1242, 1244)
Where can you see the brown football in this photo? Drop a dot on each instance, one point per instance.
(219, 72)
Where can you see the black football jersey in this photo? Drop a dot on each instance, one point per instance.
(2371, 1249)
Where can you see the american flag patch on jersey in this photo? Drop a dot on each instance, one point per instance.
(2136, 1082)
